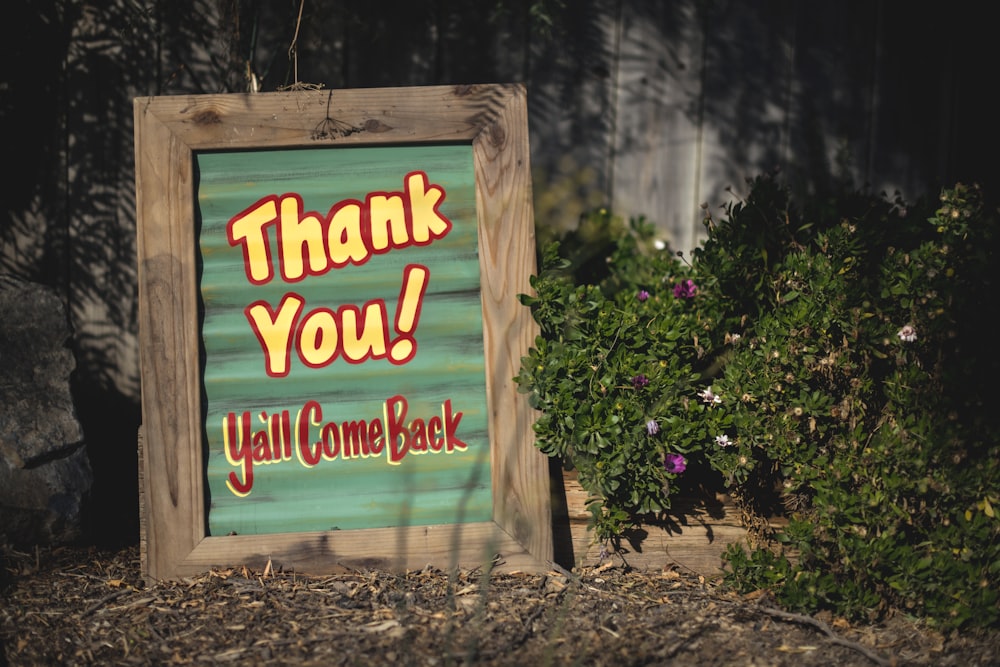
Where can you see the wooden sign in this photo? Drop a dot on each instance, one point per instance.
(329, 331)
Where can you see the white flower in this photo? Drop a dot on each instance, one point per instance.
(722, 440)
(709, 397)
(907, 334)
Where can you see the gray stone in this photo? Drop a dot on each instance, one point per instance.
(45, 474)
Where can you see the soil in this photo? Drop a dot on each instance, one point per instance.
(85, 606)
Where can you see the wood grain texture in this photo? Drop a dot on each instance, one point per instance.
(504, 199)
(342, 117)
(693, 540)
(493, 120)
(395, 549)
(168, 344)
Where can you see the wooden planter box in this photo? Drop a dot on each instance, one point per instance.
(693, 539)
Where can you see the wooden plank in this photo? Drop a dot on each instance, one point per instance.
(310, 118)
(168, 344)
(694, 540)
(657, 169)
(503, 197)
(397, 549)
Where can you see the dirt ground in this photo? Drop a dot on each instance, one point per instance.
(82, 606)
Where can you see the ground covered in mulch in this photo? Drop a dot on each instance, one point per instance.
(86, 606)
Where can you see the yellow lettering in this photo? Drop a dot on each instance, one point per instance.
(426, 223)
(274, 331)
(345, 242)
(247, 229)
(318, 338)
(309, 244)
(388, 221)
(367, 339)
(300, 238)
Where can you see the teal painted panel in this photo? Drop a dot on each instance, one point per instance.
(342, 436)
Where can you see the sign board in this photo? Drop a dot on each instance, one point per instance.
(329, 331)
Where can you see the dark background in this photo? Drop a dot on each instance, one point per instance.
(870, 94)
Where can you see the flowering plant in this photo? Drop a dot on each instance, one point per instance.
(859, 379)
(827, 363)
(615, 374)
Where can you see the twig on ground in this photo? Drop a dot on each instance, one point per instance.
(825, 629)
(105, 600)
(560, 569)
(678, 645)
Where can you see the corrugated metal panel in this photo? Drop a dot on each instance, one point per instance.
(445, 377)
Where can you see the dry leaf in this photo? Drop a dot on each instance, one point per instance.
(381, 626)
(784, 648)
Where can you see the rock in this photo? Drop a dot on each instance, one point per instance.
(45, 474)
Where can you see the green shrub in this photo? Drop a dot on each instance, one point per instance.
(832, 362)
(613, 372)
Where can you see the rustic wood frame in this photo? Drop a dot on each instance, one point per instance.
(168, 130)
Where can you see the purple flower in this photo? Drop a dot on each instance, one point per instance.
(686, 289)
(642, 295)
(674, 463)
(652, 427)
(639, 381)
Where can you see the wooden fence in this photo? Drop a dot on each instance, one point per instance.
(648, 108)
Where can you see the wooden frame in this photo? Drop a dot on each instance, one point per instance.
(492, 119)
